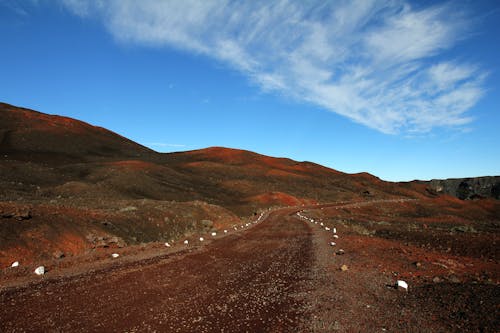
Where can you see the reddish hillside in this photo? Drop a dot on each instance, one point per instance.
(57, 164)
(24, 131)
(72, 193)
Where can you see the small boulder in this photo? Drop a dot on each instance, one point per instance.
(15, 264)
(201, 239)
(344, 268)
(128, 209)
(207, 224)
(402, 285)
(333, 243)
(186, 242)
(40, 270)
(214, 234)
(340, 252)
(115, 255)
(58, 254)
(167, 244)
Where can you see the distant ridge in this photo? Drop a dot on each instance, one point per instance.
(468, 188)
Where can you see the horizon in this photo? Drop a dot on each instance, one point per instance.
(255, 152)
(403, 90)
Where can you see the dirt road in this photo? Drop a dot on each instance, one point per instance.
(246, 282)
(280, 275)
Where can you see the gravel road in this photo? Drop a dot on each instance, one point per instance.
(251, 281)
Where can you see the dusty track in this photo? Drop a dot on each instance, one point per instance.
(251, 281)
(278, 276)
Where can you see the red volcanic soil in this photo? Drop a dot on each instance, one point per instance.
(71, 194)
(278, 276)
(277, 199)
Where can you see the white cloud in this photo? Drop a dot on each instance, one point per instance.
(379, 63)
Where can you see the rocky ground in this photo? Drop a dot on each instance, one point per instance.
(280, 275)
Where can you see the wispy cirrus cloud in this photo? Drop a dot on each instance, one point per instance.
(380, 63)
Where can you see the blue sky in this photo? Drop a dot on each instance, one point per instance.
(403, 90)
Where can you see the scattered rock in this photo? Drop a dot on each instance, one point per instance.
(402, 285)
(207, 224)
(454, 279)
(128, 209)
(40, 270)
(201, 239)
(333, 243)
(19, 213)
(15, 264)
(340, 252)
(186, 242)
(167, 244)
(115, 255)
(417, 264)
(106, 241)
(464, 228)
(58, 254)
(436, 279)
(214, 234)
(344, 268)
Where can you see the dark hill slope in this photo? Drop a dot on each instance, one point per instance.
(28, 133)
(67, 158)
(468, 188)
(67, 186)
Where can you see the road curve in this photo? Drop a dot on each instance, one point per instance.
(246, 282)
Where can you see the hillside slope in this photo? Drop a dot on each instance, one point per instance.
(70, 187)
(468, 188)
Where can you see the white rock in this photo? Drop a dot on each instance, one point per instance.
(334, 230)
(115, 255)
(327, 229)
(186, 242)
(40, 270)
(15, 264)
(201, 239)
(167, 244)
(214, 234)
(321, 224)
(402, 285)
(335, 236)
(225, 231)
(333, 243)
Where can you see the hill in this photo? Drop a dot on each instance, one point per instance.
(70, 187)
(468, 188)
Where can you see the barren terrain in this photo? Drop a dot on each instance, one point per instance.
(72, 194)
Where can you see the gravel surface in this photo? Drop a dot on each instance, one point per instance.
(280, 275)
(245, 282)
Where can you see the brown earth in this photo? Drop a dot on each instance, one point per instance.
(80, 186)
(280, 275)
(71, 194)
